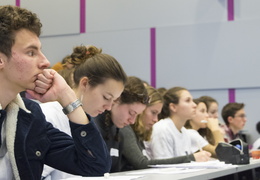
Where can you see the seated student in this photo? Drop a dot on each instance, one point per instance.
(134, 154)
(98, 81)
(124, 111)
(207, 128)
(234, 117)
(212, 109)
(256, 144)
(27, 140)
(169, 137)
(212, 106)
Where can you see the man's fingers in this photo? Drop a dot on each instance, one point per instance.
(42, 84)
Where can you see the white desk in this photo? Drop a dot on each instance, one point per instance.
(199, 175)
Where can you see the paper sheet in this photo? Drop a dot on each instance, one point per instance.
(103, 178)
(196, 165)
(164, 171)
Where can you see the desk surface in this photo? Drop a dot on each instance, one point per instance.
(198, 175)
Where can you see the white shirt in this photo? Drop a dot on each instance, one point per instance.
(167, 141)
(197, 141)
(148, 149)
(256, 144)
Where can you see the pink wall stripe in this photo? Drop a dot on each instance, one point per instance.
(232, 95)
(82, 16)
(17, 3)
(153, 56)
(230, 12)
(230, 6)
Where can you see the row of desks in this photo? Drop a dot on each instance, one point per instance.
(237, 172)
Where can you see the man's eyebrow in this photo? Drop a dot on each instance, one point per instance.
(32, 47)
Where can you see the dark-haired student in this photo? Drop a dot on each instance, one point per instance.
(234, 116)
(124, 111)
(134, 155)
(207, 128)
(28, 141)
(169, 137)
(98, 80)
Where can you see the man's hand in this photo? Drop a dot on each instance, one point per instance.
(50, 86)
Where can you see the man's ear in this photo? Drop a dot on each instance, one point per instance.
(230, 119)
(2, 60)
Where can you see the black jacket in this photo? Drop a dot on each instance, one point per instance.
(31, 142)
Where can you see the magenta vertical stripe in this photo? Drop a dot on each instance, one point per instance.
(230, 7)
(231, 95)
(153, 56)
(17, 3)
(82, 16)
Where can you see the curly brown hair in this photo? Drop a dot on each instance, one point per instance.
(134, 91)
(13, 19)
(81, 53)
(89, 61)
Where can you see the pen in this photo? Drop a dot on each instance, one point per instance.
(188, 157)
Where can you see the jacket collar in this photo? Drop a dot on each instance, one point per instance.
(11, 126)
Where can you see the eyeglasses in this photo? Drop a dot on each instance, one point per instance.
(241, 116)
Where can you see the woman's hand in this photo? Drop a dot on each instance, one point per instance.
(213, 124)
(202, 156)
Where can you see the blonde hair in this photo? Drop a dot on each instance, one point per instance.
(142, 133)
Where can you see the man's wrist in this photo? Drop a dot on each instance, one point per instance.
(72, 106)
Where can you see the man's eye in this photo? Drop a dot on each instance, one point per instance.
(31, 53)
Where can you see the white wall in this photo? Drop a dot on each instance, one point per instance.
(196, 46)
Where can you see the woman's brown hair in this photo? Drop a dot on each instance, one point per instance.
(134, 92)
